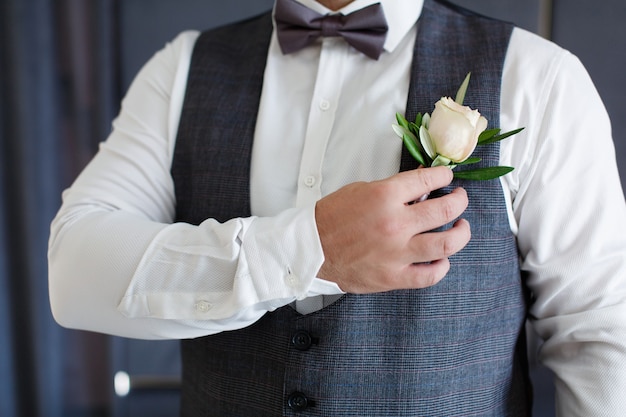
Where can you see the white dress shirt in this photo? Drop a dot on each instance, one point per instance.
(119, 265)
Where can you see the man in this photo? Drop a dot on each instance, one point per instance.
(248, 185)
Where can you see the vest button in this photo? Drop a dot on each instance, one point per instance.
(302, 340)
(297, 401)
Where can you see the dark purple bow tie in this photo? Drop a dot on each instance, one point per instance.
(298, 26)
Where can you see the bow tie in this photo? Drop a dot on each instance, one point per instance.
(298, 26)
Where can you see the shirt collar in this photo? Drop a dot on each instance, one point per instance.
(401, 15)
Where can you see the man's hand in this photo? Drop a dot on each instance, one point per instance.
(375, 240)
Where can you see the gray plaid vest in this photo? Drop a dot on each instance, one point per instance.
(455, 349)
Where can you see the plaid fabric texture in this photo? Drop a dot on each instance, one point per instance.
(455, 349)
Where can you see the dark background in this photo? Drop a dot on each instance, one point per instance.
(64, 66)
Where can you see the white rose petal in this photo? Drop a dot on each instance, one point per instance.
(454, 129)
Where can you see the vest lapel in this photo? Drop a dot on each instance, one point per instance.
(451, 349)
(441, 62)
(214, 143)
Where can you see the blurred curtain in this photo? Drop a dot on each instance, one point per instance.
(59, 90)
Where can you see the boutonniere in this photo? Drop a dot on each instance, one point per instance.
(449, 136)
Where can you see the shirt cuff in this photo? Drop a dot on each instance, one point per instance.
(284, 255)
(322, 287)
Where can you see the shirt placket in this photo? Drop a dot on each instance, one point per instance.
(321, 119)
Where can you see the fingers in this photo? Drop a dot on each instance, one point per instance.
(429, 247)
(436, 212)
(415, 183)
(425, 275)
(374, 240)
(427, 261)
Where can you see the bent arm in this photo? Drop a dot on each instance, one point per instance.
(570, 210)
(117, 263)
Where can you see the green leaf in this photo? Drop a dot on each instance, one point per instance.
(460, 95)
(497, 138)
(414, 128)
(468, 161)
(487, 134)
(402, 121)
(488, 173)
(415, 150)
(418, 119)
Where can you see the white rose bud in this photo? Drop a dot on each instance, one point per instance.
(454, 129)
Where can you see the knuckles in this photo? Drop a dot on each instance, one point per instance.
(383, 190)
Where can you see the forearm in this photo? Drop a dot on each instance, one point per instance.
(119, 273)
(119, 265)
(586, 351)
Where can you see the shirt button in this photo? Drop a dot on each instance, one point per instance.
(292, 280)
(297, 401)
(202, 306)
(302, 340)
(324, 104)
(310, 181)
